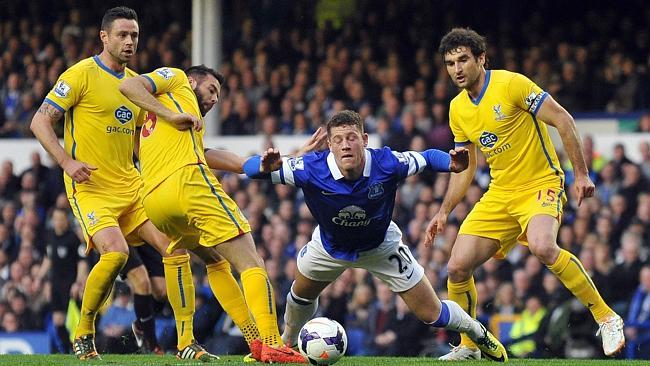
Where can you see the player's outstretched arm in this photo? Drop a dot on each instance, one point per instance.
(224, 160)
(42, 122)
(140, 92)
(458, 184)
(552, 113)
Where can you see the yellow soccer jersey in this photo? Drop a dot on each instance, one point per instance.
(100, 125)
(163, 148)
(502, 123)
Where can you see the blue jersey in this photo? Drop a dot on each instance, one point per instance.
(353, 215)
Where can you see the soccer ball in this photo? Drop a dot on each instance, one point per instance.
(323, 341)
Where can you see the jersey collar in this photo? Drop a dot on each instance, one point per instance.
(336, 172)
(99, 62)
(483, 89)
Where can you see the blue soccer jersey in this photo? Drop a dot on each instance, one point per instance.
(353, 215)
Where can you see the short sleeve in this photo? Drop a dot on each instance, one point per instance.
(525, 94)
(460, 138)
(165, 79)
(293, 172)
(406, 164)
(68, 90)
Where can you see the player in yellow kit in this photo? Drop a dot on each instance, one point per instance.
(505, 115)
(185, 201)
(103, 186)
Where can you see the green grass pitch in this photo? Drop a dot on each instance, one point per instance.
(169, 360)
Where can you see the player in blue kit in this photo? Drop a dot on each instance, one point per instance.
(350, 190)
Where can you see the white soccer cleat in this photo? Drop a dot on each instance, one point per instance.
(611, 332)
(461, 353)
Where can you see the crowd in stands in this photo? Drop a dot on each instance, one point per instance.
(288, 77)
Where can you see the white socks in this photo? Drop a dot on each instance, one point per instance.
(460, 321)
(296, 314)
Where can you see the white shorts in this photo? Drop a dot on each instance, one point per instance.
(391, 262)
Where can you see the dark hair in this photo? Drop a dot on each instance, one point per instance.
(199, 71)
(345, 118)
(467, 37)
(118, 12)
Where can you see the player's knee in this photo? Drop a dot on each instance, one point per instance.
(546, 251)
(458, 272)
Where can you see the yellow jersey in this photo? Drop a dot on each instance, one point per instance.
(163, 148)
(502, 123)
(100, 125)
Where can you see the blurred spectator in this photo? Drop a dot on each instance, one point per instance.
(637, 324)
(644, 149)
(523, 330)
(644, 123)
(626, 273)
(10, 322)
(115, 324)
(404, 334)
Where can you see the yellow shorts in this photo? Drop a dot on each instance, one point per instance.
(99, 210)
(504, 216)
(191, 208)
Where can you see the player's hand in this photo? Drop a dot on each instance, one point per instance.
(77, 170)
(459, 159)
(185, 121)
(435, 227)
(317, 141)
(271, 160)
(584, 187)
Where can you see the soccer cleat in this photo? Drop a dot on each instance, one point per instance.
(196, 352)
(281, 354)
(145, 346)
(461, 353)
(491, 347)
(138, 333)
(256, 352)
(611, 332)
(84, 348)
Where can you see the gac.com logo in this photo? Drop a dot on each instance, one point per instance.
(351, 216)
(488, 139)
(123, 114)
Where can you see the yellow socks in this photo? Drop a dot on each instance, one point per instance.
(227, 291)
(465, 295)
(180, 292)
(260, 299)
(98, 287)
(573, 275)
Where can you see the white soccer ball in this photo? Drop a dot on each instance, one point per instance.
(323, 341)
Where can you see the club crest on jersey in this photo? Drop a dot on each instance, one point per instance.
(488, 139)
(123, 114)
(351, 216)
(165, 72)
(62, 89)
(498, 115)
(296, 164)
(375, 190)
(92, 219)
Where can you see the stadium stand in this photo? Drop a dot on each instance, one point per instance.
(291, 65)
